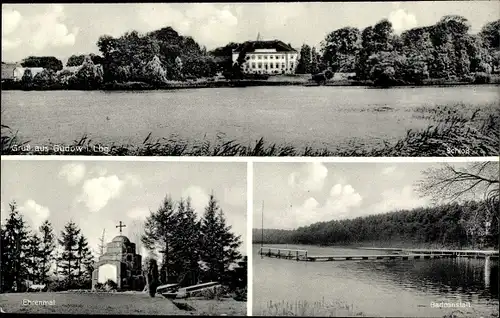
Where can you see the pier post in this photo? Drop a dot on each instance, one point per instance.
(306, 255)
(487, 272)
(279, 255)
(297, 253)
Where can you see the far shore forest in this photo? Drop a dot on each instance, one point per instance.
(447, 226)
(445, 52)
(194, 250)
(462, 224)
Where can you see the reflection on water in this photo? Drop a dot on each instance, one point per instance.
(380, 288)
(317, 116)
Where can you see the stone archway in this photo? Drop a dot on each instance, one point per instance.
(107, 271)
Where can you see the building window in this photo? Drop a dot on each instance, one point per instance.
(253, 57)
(259, 65)
(291, 65)
(260, 57)
(282, 65)
(253, 64)
(271, 57)
(265, 66)
(265, 57)
(277, 65)
(271, 65)
(282, 57)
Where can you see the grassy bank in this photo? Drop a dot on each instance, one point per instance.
(279, 80)
(303, 308)
(115, 303)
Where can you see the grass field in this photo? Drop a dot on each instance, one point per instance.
(117, 303)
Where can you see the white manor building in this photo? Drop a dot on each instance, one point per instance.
(267, 57)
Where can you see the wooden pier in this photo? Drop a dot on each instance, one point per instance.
(295, 254)
(410, 254)
(454, 253)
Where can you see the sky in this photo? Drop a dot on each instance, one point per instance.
(62, 30)
(97, 195)
(299, 194)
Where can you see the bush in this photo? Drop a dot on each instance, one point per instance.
(240, 294)
(467, 79)
(110, 285)
(216, 292)
(482, 78)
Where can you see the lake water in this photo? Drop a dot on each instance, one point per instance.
(314, 116)
(377, 288)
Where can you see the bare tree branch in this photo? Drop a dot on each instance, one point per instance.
(450, 183)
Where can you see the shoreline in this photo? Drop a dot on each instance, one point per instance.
(139, 86)
(382, 246)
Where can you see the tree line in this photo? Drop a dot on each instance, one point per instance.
(445, 50)
(192, 250)
(454, 225)
(34, 254)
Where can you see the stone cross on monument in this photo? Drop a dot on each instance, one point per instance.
(120, 226)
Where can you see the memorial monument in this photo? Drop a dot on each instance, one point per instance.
(121, 264)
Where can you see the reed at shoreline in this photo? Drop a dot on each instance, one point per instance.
(459, 130)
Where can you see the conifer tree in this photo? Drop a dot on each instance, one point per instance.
(85, 261)
(219, 244)
(68, 259)
(33, 254)
(47, 248)
(186, 244)
(159, 232)
(15, 235)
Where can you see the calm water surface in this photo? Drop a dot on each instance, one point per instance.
(378, 288)
(315, 116)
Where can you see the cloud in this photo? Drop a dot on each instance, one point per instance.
(342, 199)
(200, 20)
(389, 170)
(398, 199)
(73, 172)
(10, 21)
(402, 20)
(97, 192)
(35, 212)
(310, 178)
(338, 205)
(100, 171)
(138, 213)
(157, 16)
(36, 32)
(50, 31)
(199, 198)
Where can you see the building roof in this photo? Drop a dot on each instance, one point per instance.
(8, 70)
(73, 69)
(122, 239)
(251, 46)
